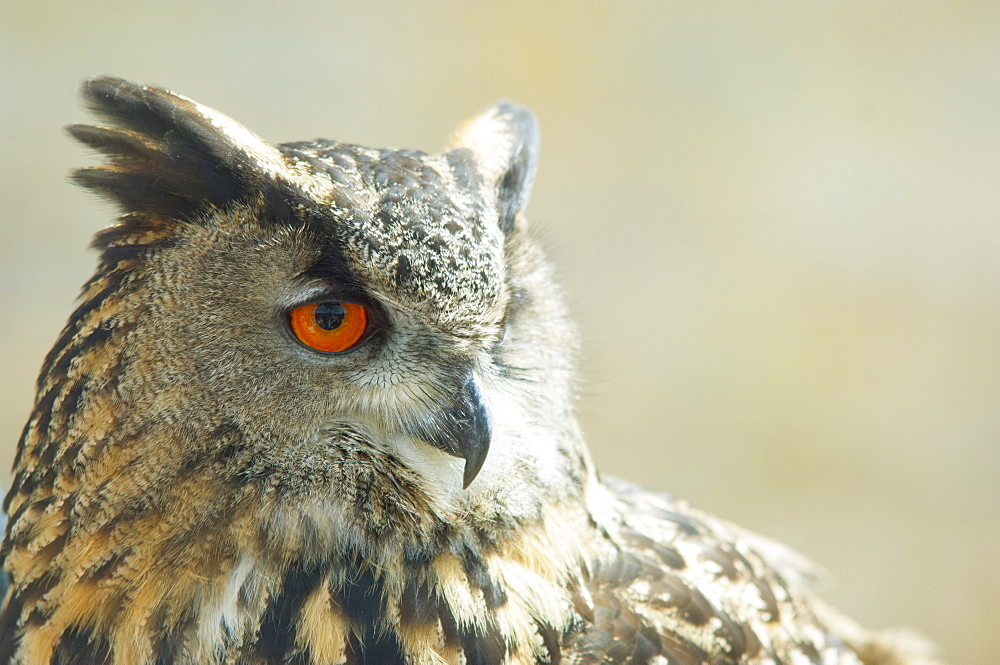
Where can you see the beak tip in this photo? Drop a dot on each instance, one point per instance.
(472, 468)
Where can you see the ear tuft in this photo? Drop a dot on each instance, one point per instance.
(167, 155)
(504, 141)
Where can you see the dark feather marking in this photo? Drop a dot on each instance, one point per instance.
(580, 604)
(33, 482)
(43, 410)
(733, 635)
(72, 455)
(114, 280)
(9, 616)
(770, 601)
(514, 184)
(96, 337)
(374, 648)
(550, 639)
(509, 194)
(691, 604)
(57, 361)
(810, 652)
(475, 570)
(81, 647)
(38, 616)
(416, 605)
(480, 648)
(134, 229)
(50, 550)
(613, 638)
(684, 522)
(282, 205)
(54, 421)
(403, 272)
(173, 633)
(680, 650)
(449, 626)
(186, 165)
(362, 597)
(15, 487)
(666, 554)
(139, 191)
(24, 536)
(724, 557)
(483, 644)
(645, 645)
(277, 630)
(116, 143)
(107, 569)
(32, 592)
(753, 646)
(166, 651)
(332, 267)
(129, 105)
(764, 586)
(417, 558)
(483, 648)
(22, 448)
(100, 276)
(616, 633)
(114, 255)
(230, 451)
(45, 450)
(242, 598)
(70, 403)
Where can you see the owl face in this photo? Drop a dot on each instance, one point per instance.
(330, 325)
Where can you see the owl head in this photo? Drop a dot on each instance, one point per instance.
(314, 344)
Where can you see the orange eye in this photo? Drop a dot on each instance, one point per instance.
(329, 326)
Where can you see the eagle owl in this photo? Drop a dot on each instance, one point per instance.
(316, 407)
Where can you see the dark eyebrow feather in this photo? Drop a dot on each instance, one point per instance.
(332, 267)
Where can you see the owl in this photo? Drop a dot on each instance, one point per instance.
(316, 407)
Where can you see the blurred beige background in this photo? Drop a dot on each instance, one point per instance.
(778, 225)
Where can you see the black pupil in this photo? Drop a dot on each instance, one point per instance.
(329, 315)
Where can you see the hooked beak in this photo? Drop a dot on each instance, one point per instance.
(464, 430)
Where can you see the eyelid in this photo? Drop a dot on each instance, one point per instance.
(324, 291)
